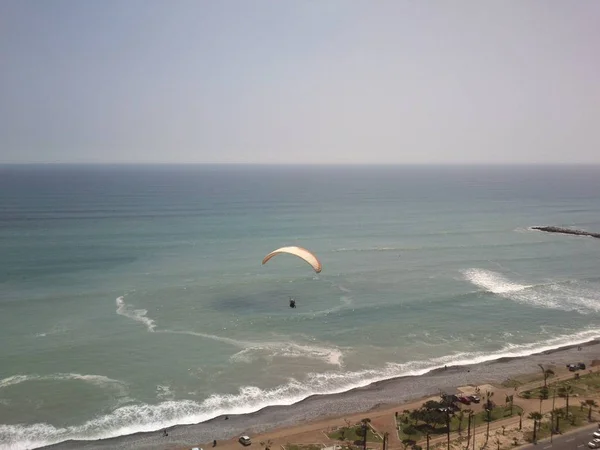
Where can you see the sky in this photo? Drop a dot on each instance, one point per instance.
(300, 82)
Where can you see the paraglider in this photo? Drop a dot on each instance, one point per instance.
(300, 252)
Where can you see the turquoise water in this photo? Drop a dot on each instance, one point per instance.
(133, 298)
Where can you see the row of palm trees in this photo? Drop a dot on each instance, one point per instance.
(565, 391)
(556, 415)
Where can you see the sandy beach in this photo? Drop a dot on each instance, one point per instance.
(281, 423)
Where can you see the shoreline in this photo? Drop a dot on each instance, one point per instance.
(325, 407)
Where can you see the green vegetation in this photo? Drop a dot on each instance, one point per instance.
(577, 418)
(354, 433)
(586, 385)
(415, 424)
(498, 413)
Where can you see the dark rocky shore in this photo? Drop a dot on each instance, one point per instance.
(386, 392)
(567, 231)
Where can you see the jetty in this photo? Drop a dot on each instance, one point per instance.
(567, 231)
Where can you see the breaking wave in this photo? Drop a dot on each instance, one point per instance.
(564, 295)
(144, 418)
(139, 315)
(97, 380)
(493, 282)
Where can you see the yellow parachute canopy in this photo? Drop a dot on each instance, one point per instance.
(300, 253)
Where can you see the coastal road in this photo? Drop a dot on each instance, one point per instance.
(570, 441)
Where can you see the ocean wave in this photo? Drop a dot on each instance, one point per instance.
(331, 356)
(565, 295)
(144, 418)
(97, 380)
(493, 282)
(139, 315)
(250, 349)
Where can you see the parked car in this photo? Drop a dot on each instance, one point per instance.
(464, 399)
(474, 398)
(575, 367)
(594, 443)
(596, 434)
(245, 440)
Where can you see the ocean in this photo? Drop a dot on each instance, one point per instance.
(132, 298)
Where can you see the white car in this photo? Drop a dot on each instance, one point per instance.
(594, 443)
(596, 435)
(245, 440)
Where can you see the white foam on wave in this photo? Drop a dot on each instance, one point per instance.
(143, 417)
(331, 356)
(97, 380)
(139, 315)
(493, 282)
(282, 348)
(564, 295)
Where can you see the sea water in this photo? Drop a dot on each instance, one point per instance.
(133, 298)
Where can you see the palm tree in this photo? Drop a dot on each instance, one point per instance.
(365, 429)
(267, 444)
(448, 427)
(509, 401)
(520, 420)
(488, 402)
(460, 416)
(547, 373)
(566, 392)
(488, 409)
(385, 440)
(469, 412)
(591, 404)
(559, 414)
(535, 416)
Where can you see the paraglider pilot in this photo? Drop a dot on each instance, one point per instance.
(292, 302)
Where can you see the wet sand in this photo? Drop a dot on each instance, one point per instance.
(395, 391)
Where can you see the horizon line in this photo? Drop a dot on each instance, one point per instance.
(444, 164)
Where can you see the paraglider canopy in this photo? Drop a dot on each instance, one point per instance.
(300, 253)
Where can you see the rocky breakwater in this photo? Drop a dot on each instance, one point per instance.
(566, 231)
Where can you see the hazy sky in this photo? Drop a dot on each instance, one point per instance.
(304, 81)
